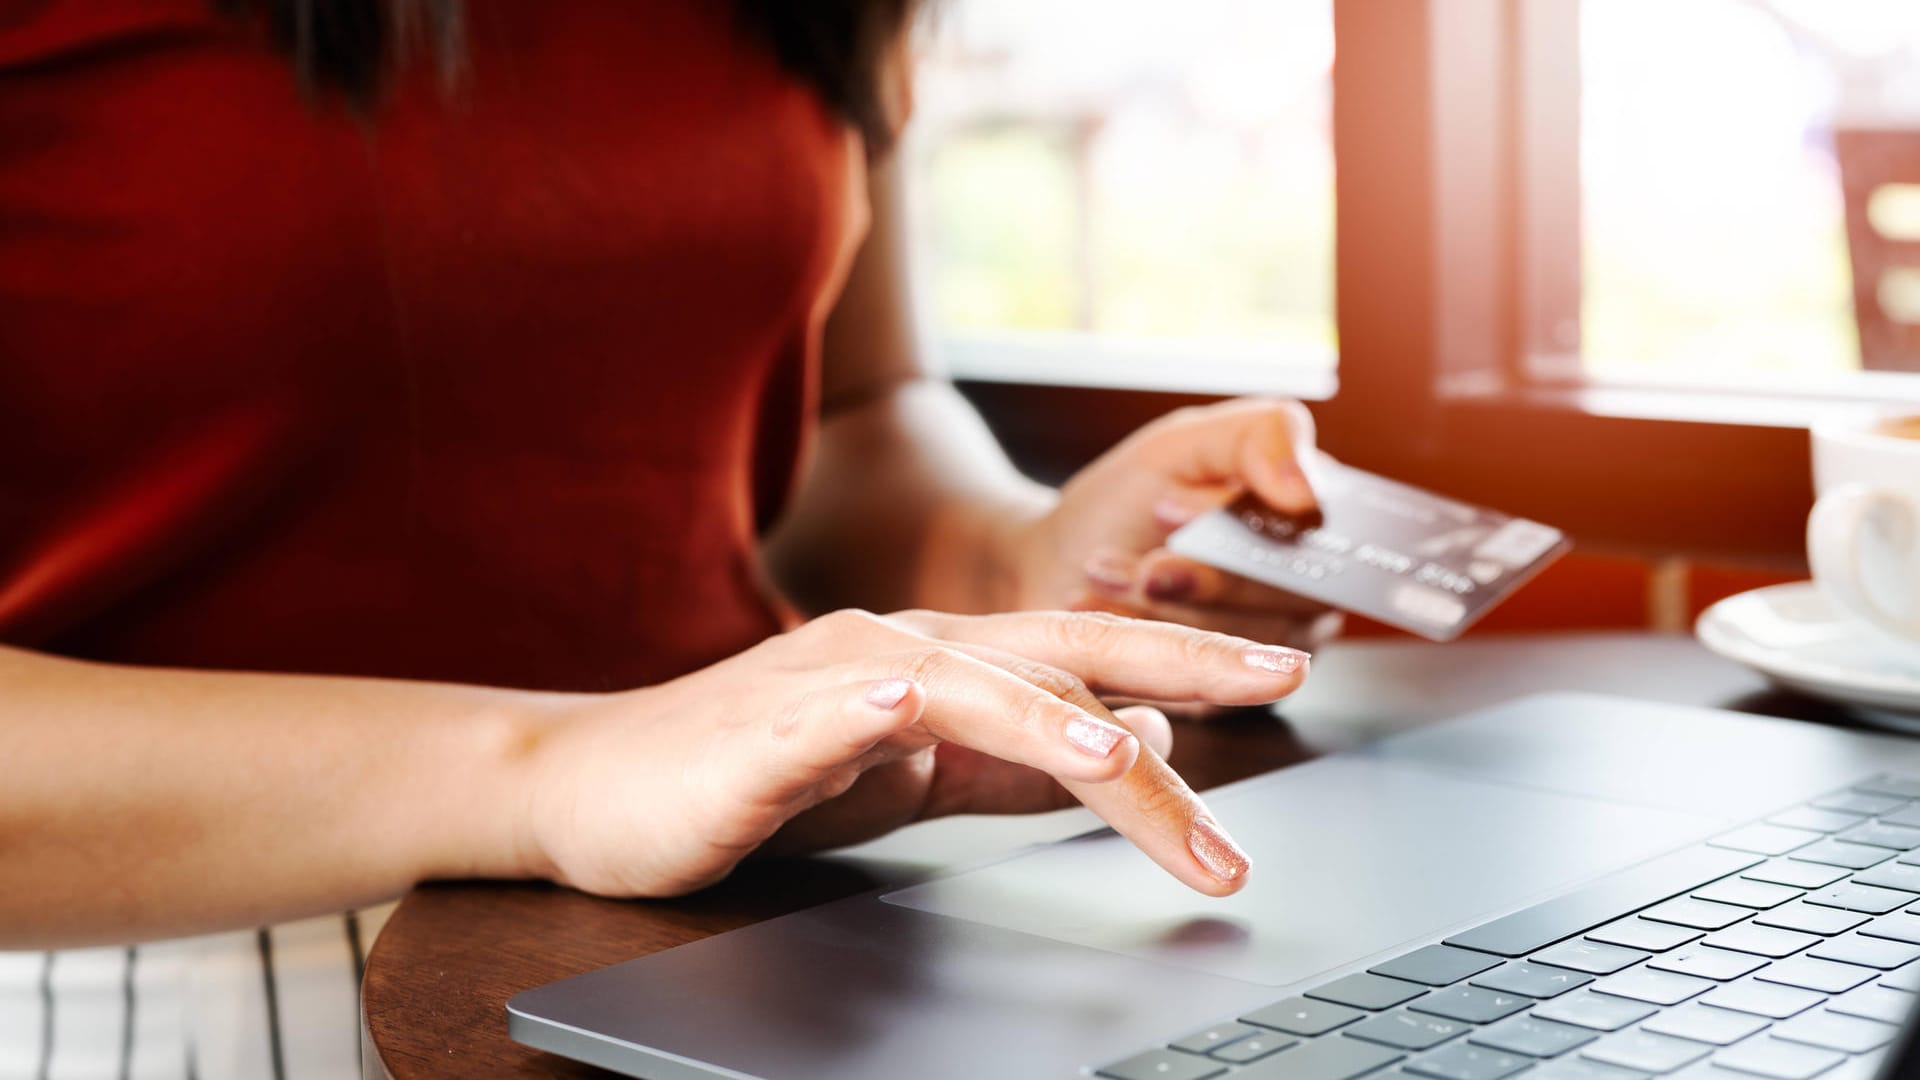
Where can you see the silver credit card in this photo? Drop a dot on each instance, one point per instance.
(1378, 548)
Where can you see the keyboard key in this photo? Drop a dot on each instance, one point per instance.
(1533, 980)
(1162, 1065)
(1541, 925)
(1871, 952)
(1850, 1034)
(1534, 1037)
(1596, 1011)
(1891, 875)
(1638, 933)
(1837, 853)
(1810, 919)
(1906, 978)
(1874, 1003)
(1908, 815)
(1646, 1051)
(1464, 1061)
(1707, 962)
(1592, 957)
(1302, 1016)
(1770, 1057)
(1406, 1030)
(1861, 898)
(1816, 819)
(1895, 837)
(1699, 914)
(1334, 1058)
(1654, 987)
(1208, 1039)
(1436, 965)
(1810, 974)
(1765, 839)
(1575, 1068)
(1794, 872)
(1894, 928)
(1760, 940)
(1704, 1023)
(1762, 999)
(1471, 1004)
(1748, 894)
(1891, 785)
(1857, 802)
(1366, 991)
(1239, 1053)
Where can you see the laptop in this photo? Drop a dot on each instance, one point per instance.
(1563, 886)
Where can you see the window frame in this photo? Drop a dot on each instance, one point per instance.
(1457, 202)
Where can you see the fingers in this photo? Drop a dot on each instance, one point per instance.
(1160, 576)
(1018, 710)
(1160, 661)
(1155, 809)
(1249, 441)
(1149, 725)
(816, 747)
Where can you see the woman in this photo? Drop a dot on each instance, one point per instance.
(394, 454)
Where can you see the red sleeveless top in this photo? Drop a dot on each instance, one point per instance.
(497, 385)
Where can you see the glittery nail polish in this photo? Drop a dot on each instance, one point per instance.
(888, 693)
(1091, 737)
(1216, 850)
(1171, 583)
(1110, 572)
(1274, 659)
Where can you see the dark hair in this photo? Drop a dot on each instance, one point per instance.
(348, 47)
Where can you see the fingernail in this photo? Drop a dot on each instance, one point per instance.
(1110, 572)
(1171, 583)
(887, 693)
(1275, 659)
(1172, 513)
(1216, 850)
(1094, 737)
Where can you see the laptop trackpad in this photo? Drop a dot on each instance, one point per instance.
(1351, 857)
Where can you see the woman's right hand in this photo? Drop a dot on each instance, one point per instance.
(854, 724)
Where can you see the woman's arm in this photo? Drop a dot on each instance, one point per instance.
(140, 803)
(911, 502)
(908, 497)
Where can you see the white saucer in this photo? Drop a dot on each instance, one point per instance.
(1794, 636)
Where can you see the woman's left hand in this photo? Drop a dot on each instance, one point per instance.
(1101, 547)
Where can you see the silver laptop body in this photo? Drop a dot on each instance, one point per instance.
(1510, 892)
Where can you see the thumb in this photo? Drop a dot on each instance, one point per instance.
(1251, 442)
(817, 745)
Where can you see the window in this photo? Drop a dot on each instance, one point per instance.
(1590, 254)
(1118, 192)
(1749, 198)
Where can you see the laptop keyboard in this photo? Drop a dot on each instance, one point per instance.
(1783, 949)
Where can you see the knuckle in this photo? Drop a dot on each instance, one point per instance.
(848, 620)
(1199, 649)
(924, 664)
(1087, 631)
(1055, 681)
(1040, 712)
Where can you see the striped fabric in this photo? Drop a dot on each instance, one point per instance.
(271, 1004)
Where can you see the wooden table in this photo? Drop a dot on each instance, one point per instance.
(440, 974)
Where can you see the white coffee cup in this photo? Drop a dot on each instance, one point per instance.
(1864, 536)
